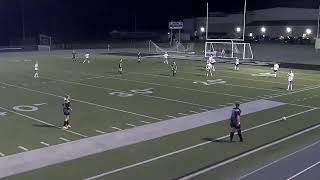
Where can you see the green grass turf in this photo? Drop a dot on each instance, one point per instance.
(95, 109)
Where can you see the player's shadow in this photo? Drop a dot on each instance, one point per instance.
(215, 140)
(44, 126)
(280, 88)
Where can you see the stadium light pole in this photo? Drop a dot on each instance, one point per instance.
(318, 29)
(22, 19)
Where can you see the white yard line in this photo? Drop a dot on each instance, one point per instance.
(278, 160)
(23, 148)
(43, 143)
(38, 120)
(111, 89)
(101, 132)
(203, 109)
(81, 101)
(183, 114)
(145, 122)
(193, 111)
(116, 128)
(176, 87)
(131, 125)
(64, 139)
(169, 116)
(2, 155)
(189, 148)
(303, 171)
(97, 77)
(297, 91)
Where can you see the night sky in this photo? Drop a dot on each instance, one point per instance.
(94, 19)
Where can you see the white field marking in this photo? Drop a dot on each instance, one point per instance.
(101, 132)
(193, 111)
(297, 91)
(247, 79)
(249, 153)
(132, 125)
(2, 155)
(40, 104)
(23, 148)
(203, 109)
(145, 122)
(303, 171)
(171, 116)
(189, 148)
(43, 143)
(177, 87)
(183, 114)
(64, 139)
(81, 101)
(97, 77)
(230, 104)
(300, 105)
(278, 160)
(38, 120)
(221, 105)
(227, 84)
(116, 128)
(139, 94)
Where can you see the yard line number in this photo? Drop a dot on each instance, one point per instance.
(133, 92)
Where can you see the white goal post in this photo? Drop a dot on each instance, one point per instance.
(44, 43)
(229, 50)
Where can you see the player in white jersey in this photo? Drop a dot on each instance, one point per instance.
(36, 70)
(209, 68)
(166, 55)
(86, 58)
(290, 80)
(237, 64)
(275, 69)
(212, 61)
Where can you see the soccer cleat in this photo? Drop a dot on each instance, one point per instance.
(65, 127)
(69, 126)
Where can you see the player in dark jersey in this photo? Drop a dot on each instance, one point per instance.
(139, 57)
(235, 122)
(174, 68)
(66, 111)
(73, 55)
(120, 67)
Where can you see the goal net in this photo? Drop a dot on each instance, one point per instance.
(229, 50)
(44, 43)
(175, 47)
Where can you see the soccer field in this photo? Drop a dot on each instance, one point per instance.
(146, 124)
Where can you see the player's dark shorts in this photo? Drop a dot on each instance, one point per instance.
(235, 125)
(237, 64)
(66, 112)
(275, 70)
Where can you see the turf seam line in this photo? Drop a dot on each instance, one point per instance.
(278, 160)
(189, 148)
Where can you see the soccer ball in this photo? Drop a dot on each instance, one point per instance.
(284, 118)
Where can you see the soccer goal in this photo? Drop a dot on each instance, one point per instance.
(44, 43)
(229, 50)
(176, 47)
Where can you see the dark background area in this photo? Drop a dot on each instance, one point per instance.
(73, 20)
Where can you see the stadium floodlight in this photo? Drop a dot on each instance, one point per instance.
(238, 29)
(251, 34)
(202, 29)
(263, 29)
(289, 29)
(308, 31)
